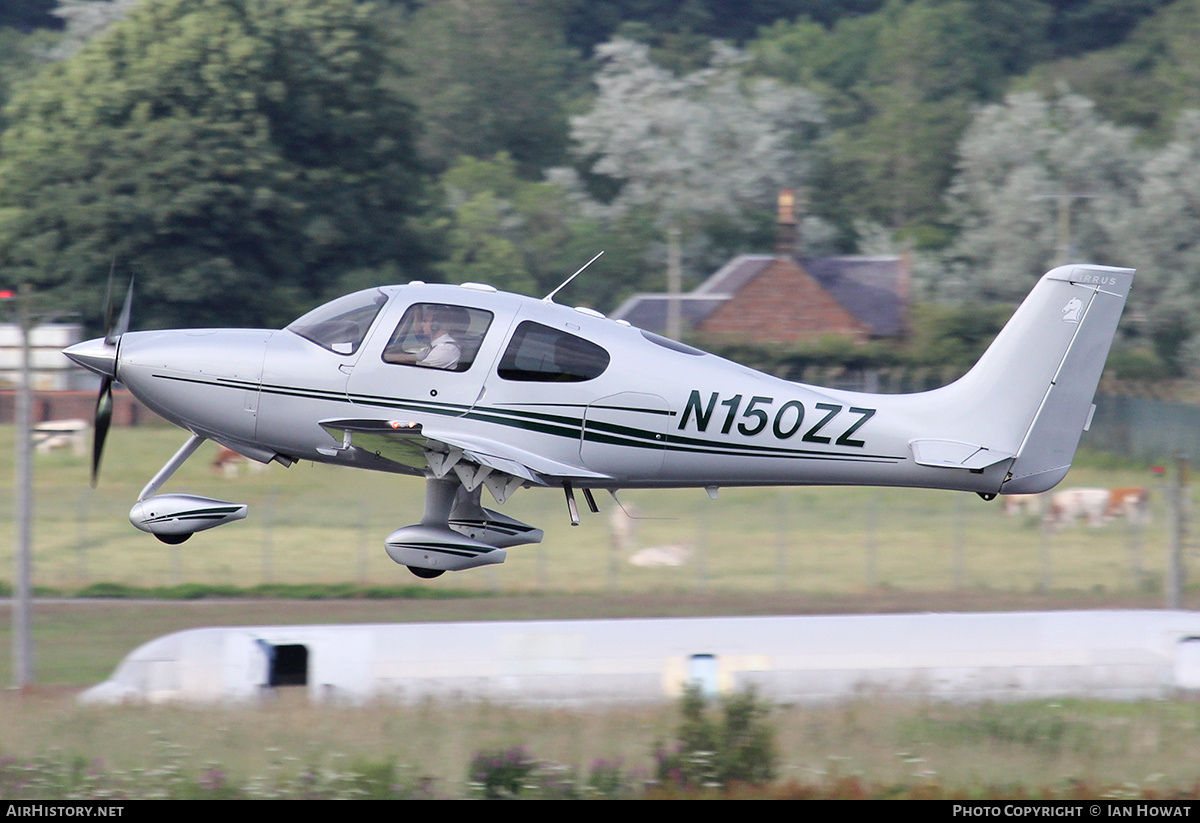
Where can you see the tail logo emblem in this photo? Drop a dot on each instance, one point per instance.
(1070, 312)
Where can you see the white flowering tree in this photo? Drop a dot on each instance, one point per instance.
(1039, 182)
(714, 144)
(84, 19)
(1160, 235)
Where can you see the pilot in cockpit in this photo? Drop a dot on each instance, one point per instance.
(442, 327)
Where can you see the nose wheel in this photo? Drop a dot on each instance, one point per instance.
(426, 574)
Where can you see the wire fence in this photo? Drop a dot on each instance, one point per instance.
(800, 540)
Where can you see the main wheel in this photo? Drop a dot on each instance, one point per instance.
(173, 539)
(426, 574)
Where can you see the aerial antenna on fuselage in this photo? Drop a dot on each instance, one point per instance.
(549, 298)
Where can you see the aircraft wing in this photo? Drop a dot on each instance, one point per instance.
(475, 460)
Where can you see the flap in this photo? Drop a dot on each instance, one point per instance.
(414, 445)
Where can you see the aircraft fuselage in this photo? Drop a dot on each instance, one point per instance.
(659, 414)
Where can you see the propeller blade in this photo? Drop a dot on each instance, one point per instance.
(100, 424)
(123, 320)
(108, 306)
(113, 331)
(104, 401)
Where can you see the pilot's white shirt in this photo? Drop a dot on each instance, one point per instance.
(443, 354)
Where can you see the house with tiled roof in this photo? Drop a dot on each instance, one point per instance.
(782, 298)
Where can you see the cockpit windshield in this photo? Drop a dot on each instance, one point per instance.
(342, 325)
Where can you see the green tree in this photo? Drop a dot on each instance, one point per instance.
(85, 19)
(1082, 25)
(528, 236)
(590, 23)
(490, 76)
(20, 57)
(237, 156)
(898, 86)
(1159, 233)
(1145, 80)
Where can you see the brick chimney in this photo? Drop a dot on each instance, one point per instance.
(785, 225)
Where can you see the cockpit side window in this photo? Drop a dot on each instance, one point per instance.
(342, 325)
(540, 353)
(438, 336)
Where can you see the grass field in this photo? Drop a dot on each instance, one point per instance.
(316, 524)
(790, 551)
(53, 748)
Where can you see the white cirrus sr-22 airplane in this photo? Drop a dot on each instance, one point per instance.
(470, 387)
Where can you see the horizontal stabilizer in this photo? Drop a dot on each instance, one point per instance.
(954, 454)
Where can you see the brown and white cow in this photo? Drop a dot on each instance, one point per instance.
(1130, 502)
(1015, 504)
(1098, 506)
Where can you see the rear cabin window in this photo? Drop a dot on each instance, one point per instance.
(438, 336)
(542, 354)
(342, 325)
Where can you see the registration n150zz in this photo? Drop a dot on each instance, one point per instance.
(828, 422)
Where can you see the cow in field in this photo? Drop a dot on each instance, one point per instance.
(227, 461)
(1098, 506)
(1131, 502)
(1015, 504)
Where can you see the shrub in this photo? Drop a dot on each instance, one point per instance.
(501, 774)
(717, 753)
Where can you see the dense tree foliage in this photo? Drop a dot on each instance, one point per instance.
(245, 158)
(490, 77)
(1146, 80)
(1049, 180)
(236, 156)
(1160, 234)
(898, 87)
(528, 236)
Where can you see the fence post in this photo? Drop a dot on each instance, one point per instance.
(1179, 517)
(960, 572)
(781, 539)
(1047, 581)
(872, 560)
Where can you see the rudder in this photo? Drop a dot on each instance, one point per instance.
(1048, 448)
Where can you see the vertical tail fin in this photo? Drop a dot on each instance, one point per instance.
(1030, 395)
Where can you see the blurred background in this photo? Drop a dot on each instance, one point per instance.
(845, 193)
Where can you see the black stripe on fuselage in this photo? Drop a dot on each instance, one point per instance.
(559, 425)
